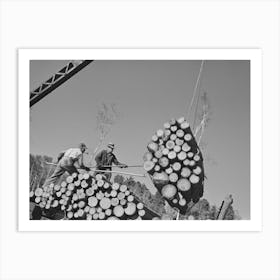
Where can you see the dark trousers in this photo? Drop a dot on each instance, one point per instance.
(63, 166)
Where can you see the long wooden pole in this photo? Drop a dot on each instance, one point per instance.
(108, 171)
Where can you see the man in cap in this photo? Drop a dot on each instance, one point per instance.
(105, 159)
(68, 161)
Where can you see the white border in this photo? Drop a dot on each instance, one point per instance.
(254, 55)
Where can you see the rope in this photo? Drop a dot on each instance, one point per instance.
(195, 89)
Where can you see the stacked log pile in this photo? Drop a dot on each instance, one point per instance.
(175, 164)
(85, 196)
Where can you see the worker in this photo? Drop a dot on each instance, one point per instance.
(68, 161)
(105, 159)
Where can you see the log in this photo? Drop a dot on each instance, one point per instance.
(108, 212)
(101, 216)
(37, 199)
(157, 168)
(140, 205)
(92, 201)
(182, 156)
(63, 184)
(123, 202)
(69, 179)
(80, 212)
(113, 218)
(163, 162)
(188, 137)
(185, 172)
(141, 212)
(160, 178)
(154, 138)
(130, 198)
(196, 158)
(167, 125)
(99, 195)
(77, 183)
(147, 156)
(70, 215)
(172, 155)
(169, 170)
(177, 149)
(123, 188)
(105, 203)
(92, 210)
(152, 147)
(165, 151)
(118, 211)
(121, 195)
(176, 166)
(115, 186)
(114, 201)
(95, 216)
(160, 133)
(149, 166)
(173, 137)
(194, 179)
(173, 177)
(173, 128)
(186, 162)
(179, 142)
(180, 133)
(180, 120)
(89, 191)
(197, 170)
(81, 204)
(71, 187)
(183, 185)
(38, 192)
(186, 147)
(192, 163)
(170, 144)
(182, 202)
(114, 193)
(184, 125)
(89, 217)
(100, 183)
(190, 155)
(158, 154)
(130, 209)
(86, 209)
(169, 191)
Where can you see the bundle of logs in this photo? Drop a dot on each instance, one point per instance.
(85, 196)
(175, 164)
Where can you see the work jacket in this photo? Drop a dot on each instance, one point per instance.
(105, 158)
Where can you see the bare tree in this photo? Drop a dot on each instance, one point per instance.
(107, 115)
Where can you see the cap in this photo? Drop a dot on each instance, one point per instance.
(111, 145)
(82, 145)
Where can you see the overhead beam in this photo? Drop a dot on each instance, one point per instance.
(57, 79)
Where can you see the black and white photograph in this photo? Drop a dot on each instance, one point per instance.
(139, 140)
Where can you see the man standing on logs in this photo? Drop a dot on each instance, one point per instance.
(68, 161)
(105, 159)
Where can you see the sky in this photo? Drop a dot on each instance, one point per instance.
(147, 94)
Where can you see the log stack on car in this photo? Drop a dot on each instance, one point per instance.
(175, 164)
(85, 196)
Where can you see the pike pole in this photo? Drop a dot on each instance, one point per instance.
(109, 171)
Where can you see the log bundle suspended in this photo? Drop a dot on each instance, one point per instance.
(175, 164)
(85, 196)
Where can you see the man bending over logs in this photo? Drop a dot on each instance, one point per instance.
(68, 161)
(105, 159)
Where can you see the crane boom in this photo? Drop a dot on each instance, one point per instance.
(57, 79)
